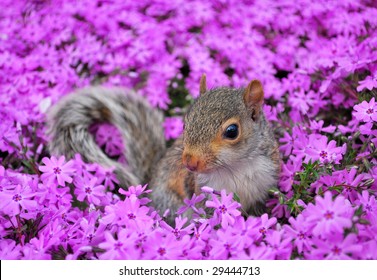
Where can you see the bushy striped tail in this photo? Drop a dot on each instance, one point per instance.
(139, 124)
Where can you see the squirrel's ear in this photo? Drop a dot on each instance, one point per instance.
(253, 97)
(203, 84)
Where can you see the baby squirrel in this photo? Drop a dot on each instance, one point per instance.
(227, 143)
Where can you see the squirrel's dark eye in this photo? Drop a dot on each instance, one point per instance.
(231, 132)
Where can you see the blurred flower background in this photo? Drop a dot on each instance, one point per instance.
(317, 62)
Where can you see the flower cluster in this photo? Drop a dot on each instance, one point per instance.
(317, 62)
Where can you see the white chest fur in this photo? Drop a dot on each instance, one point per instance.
(250, 180)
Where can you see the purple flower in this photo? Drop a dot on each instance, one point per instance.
(173, 127)
(129, 213)
(328, 216)
(53, 233)
(337, 248)
(191, 250)
(191, 203)
(107, 177)
(319, 149)
(9, 135)
(201, 234)
(352, 180)
(261, 252)
(121, 248)
(278, 210)
(84, 169)
(368, 83)
(366, 111)
(107, 135)
(86, 188)
(369, 251)
(225, 245)
(179, 231)
(9, 250)
(138, 191)
(288, 173)
(300, 233)
(226, 209)
(265, 225)
(281, 245)
(206, 189)
(369, 204)
(38, 248)
(17, 199)
(318, 127)
(160, 247)
(56, 171)
(56, 195)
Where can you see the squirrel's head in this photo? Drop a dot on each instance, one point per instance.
(221, 126)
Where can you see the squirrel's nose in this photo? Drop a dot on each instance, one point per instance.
(190, 162)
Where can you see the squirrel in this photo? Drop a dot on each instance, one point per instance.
(226, 143)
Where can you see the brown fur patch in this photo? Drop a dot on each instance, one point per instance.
(105, 113)
(176, 182)
(203, 84)
(275, 156)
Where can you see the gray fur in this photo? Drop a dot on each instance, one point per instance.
(139, 124)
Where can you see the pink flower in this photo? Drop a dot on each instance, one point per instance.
(56, 171)
(92, 234)
(226, 209)
(173, 127)
(107, 135)
(88, 189)
(139, 191)
(202, 233)
(129, 213)
(261, 252)
(266, 224)
(121, 248)
(337, 248)
(190, 249)
(299, 231)
(369, 83)
(318, 127)
(191, 203)
(14, 200)
(369, 204)
(225, 245)
(319, 149)
(161, 247)
(56, 195)
(352, 182)
(107, 177)
(366, 111)
(9, 250)
(327, 216)
(281, 245)
(178, 231)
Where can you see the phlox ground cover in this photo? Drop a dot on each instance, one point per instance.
(317, 62)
